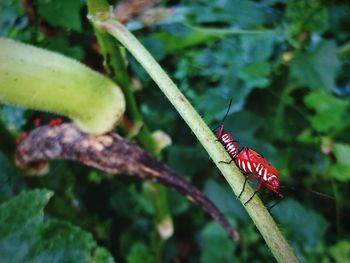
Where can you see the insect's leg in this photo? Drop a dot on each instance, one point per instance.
(244, 148)
(276, 203)
(245, 181)
(248, 177)
(227, 162)
(256, 190)
(250, 198)
(279, 200)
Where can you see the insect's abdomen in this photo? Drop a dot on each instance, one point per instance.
(229, 144)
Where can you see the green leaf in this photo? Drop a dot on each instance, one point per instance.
(256, 74)
(13, 218)
(10, 11)
(224, 199)
(187, 161)
(121, 205)
(305, 228)
(329, 110)
(139, 254)
(340, 252)
(258, 47)
(95, 176)
(341, 169)
(216, 246)
(178, 203)
(102, 255)
(235, 12)
(318, 69)
(9, 177)
(182, 38)
(189, 36)
(25, 237)
(137, 198)
(61, 13)
(61, 45)
(305, 15)
(60, 241)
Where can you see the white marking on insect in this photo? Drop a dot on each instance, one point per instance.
(258, 167)
(249, 167)
(265, 174)
(225, 138)
(243, 166)
(261, 171)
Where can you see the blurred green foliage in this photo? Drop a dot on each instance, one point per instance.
(25, 237)
(286, 66)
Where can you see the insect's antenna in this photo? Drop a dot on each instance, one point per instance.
(311, 191)
(285, 186)
(322, 194)
(223, 120)
(228, 109)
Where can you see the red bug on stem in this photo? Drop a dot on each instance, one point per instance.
(249, 161)
(252, 162)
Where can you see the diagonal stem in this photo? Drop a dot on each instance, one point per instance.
(256, 210)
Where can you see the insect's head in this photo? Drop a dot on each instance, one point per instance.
(274, 182)
(220, 130)
(273, 177)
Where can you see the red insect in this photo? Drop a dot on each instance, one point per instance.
(251, 162)
(55, 122)
(225, 138)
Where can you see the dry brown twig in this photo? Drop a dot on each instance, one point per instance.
(111, 154)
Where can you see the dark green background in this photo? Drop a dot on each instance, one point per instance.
(286, 66)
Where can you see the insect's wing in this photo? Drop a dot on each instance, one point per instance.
(247, 161)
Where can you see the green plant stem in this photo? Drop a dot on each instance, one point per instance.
(256, 210)
(227, 32)
(114, 62)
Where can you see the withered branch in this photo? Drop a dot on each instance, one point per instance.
(112, 154)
